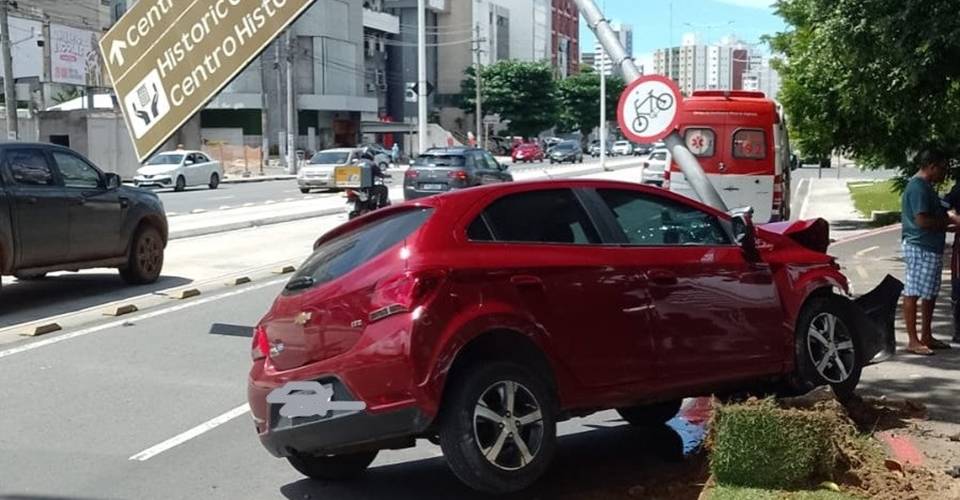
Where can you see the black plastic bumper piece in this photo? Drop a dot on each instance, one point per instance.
(876, 313)
(346, 432)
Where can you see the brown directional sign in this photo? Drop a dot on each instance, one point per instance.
(168, 58)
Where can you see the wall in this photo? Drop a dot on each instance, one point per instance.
(101, 136)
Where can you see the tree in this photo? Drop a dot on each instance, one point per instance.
(876, 79)
(579, 97)
(524, 94)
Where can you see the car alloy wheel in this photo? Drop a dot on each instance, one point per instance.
(831, 348)
(508, 425)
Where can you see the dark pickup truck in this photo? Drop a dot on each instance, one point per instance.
(58, 212)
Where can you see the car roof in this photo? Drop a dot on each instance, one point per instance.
(180, 152)
(338, 150)
(450, 151)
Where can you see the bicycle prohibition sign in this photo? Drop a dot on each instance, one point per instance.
(649, 109)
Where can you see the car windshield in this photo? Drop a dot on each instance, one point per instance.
(566, 146)
(165, 160)
(328, 158)
(439, 160)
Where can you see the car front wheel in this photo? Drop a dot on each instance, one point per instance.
(181, 184)
(333, 467)
(497, 430)
(305, 190)
(827, 347)
(214, 181)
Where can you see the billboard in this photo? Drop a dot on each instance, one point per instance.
(27, 55)
(75, 57)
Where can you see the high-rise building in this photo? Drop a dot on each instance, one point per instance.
(565, 44)
(762, 77)
(602, 61)
(696, 66)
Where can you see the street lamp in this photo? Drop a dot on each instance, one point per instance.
(709, 28)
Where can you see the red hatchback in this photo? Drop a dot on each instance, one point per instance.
(527, 152)
(479, 319)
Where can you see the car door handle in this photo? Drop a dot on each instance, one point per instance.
(526, 281)
(662, 277)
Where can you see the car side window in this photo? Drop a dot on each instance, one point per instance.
(29, 167)
(201, 158)
(76, 173)
(750, 144)
(648, 220)
(192, 158)
(491, 162)
(550, 216)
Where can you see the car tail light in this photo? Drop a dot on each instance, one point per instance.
(261, 345)
(777, 193)
(458, 175)
(411, 174)
(666, 176)
(403, 293)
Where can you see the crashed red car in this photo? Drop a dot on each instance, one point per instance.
(481, 318)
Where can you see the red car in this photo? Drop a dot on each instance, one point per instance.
(480, 318)
(527, 152)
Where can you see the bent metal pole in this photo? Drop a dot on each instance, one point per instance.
(688, 163)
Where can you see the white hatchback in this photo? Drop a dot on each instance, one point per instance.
(179, 170)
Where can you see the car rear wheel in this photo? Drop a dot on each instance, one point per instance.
(181, 184)
(305, 190)
(497, 428)
(651, 415)
(214, 181)
(146, 258)
(333, 467)
(827, 347)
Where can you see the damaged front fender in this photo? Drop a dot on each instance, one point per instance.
(875, 316)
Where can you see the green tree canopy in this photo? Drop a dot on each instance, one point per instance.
(579, 97)
(876, 79)
(522, 93)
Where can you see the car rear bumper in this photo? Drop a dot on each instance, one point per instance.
(412, 193)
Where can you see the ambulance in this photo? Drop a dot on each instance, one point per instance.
(740, 139)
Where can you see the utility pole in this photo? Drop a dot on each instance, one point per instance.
(264, 116)
(9, 89)
(291, 107)
(422, 75)
(478, 69)
(47, 50)
(282, 134)
(603, 108)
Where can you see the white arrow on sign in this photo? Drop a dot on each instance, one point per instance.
(115, 51)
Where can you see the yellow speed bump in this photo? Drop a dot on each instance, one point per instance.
(121, 310)
(42, 330)
(185, 293)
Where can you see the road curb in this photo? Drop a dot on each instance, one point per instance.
(867, 234)
(266, 178)
(247, 224)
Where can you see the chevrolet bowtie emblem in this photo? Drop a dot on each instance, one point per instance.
(303, 318)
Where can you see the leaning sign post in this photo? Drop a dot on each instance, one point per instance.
(168, 58)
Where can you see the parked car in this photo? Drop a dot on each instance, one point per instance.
(594, 149)
(642, 149)
(318, 172)
(179, 170)
(527, 152)
(59, 212)
(445, 169)
(381, 156)
(566, 152)
(623, 148)
(460, 319)
(655, 166)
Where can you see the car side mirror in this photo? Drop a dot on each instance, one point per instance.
(745, 233)
(111, 181)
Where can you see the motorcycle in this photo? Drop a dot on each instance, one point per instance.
(366, 200)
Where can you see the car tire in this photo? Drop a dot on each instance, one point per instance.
(333, 467)
(145, 260)
(467, 438)
(30, 277)
(383, 166)
(305, 190)
(214, 181)
(181, 184)
(828, 349)
(651, 415)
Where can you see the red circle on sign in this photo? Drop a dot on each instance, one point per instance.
(625, 128)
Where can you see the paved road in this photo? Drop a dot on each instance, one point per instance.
(86, 414)
(258, 193)
(812, 172)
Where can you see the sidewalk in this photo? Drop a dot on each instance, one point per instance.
(830, 199)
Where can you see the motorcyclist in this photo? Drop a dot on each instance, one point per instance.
(379, 191)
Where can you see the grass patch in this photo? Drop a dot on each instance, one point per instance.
(738, 493)
(760, 445)
(876, 196)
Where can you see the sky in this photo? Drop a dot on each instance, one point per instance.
(709, 19)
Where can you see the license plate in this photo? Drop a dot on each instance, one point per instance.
(432, 187)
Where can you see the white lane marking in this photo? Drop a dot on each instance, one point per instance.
(224, 207)
(289, 199)
(249, 204)
(865, 251)
(806, 199)
(181, 438)
(149, 315)
(218, 198)
(269, 202)
(862, 272)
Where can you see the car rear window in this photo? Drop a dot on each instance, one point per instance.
(346, 252)
(550, 216)
(751, 144)
(429, 160)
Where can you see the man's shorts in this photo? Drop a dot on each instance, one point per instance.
(924, 270)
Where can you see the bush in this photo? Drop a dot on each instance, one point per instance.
(760, 445)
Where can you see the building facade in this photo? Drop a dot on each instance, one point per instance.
(565, 37)
(697, 66)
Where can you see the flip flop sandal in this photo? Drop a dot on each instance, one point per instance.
(938, 345)
(921, 351)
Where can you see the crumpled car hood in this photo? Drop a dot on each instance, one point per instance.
(795, 242)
